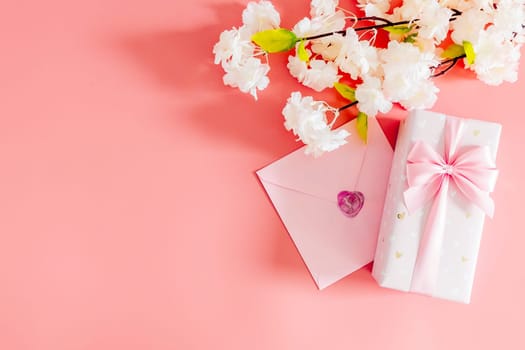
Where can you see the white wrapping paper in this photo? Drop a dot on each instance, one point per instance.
(400, 232)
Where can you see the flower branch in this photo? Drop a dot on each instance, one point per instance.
(387, 23)
(376, 26)
(340, 109)
(451, 63)
(329, 46)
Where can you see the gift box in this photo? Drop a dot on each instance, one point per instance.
(438, 196)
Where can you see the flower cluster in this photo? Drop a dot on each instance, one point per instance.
(494, 29)
(307, 119)
(335, 48)
(238, 55)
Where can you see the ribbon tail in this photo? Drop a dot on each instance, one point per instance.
(426, 269)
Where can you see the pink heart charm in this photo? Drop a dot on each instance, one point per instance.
(350, 202)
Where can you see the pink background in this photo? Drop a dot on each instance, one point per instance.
(131, 218)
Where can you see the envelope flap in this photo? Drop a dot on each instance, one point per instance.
(331, 173)
(304, 192)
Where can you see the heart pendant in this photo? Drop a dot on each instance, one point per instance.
(350, 202)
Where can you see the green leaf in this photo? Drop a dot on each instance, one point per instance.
(411, 38)
(275, 40)
(302, 53)
(469, 52)
(399, 29)
(453, 51)
(345, 91)
(362, 126)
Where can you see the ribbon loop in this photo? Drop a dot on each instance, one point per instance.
(471, 169)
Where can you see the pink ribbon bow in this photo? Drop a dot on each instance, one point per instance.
(429, 174)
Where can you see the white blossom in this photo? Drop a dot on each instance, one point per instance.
(426, 45)
(433, 20)
(249, 76)
(260, 16)
(234, 46)
(377, 8)
(356, 57)
(509, 18)
(405, 68)
(323, 7)
(317, 74)
(464, 5)
(469, 25)
(307, 119)
(496, 59)
(371, 98)
(320, 25)
(328, 47)
(409, 10)
(424, 97)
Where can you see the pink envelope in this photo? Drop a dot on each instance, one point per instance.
(304, 191)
